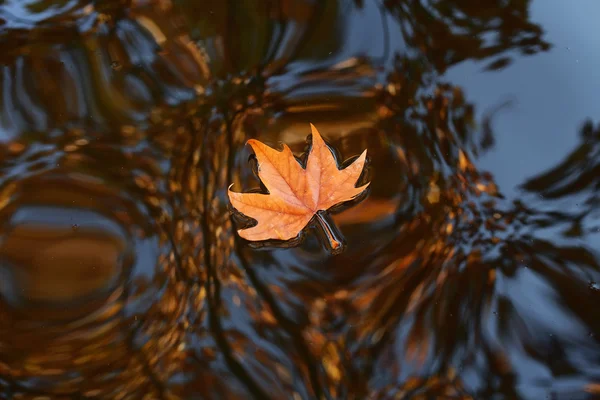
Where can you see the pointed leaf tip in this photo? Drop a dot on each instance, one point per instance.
(363, 156)
(314, 131)
(317, 139)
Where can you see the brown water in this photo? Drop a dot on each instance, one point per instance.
(470, 271)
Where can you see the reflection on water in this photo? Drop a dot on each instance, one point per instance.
(124, 122)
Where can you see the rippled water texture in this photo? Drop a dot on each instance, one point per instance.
(470, 271)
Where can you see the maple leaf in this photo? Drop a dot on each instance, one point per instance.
(297, 194)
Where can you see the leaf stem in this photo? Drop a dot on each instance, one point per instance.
(335, 240)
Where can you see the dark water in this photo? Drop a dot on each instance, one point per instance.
(472, 270)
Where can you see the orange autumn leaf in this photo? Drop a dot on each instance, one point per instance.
(296, 194)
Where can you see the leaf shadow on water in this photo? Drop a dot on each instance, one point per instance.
(446, 289)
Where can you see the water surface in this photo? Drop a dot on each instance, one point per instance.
(471, 271)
